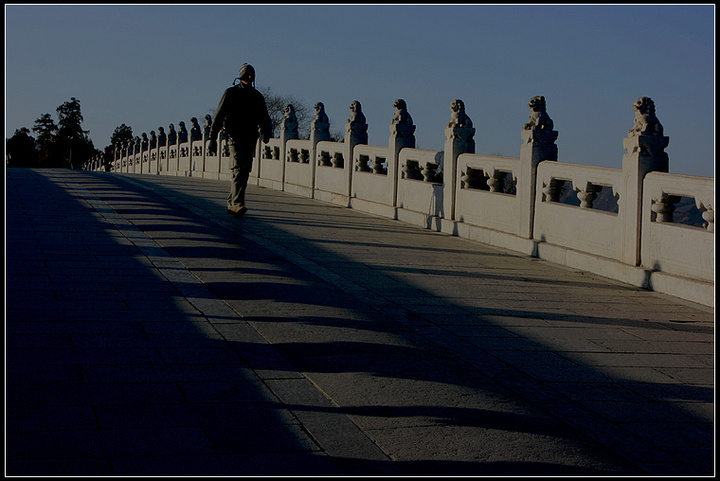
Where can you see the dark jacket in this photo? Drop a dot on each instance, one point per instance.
(242, 111)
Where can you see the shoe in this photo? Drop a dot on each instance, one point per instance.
(237, 211)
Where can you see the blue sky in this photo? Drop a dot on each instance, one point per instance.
(152, 65)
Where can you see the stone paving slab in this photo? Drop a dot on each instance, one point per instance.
(149, 333)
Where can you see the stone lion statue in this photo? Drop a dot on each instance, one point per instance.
(539, 119)
(182, 133)
(646, 123)
(320, 115)
(402, 124)
(356, 124)
(195, 131)
(458, 117)
(401, 117)
(290, 121)
(356, 114)
(289, 112)
(172, 135)
(207, 127)
(321, 123)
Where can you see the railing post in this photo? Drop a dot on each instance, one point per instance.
(208, 159)
(184, 154)
(162, 151)
(197, 149)
(153, 157)
(144, 154)
(130, 155)
(319, 132)
(538, 145)
(355, 134)
(288, 131)
(125, 156)
(135, 156)
(173, 151)
(402, 134)
(120, 157)
(645, 145)
(459, 139)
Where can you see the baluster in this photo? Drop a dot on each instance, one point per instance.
(362, 163)
(496, 182)
(588, 195)
(552, 190)
(665, 207)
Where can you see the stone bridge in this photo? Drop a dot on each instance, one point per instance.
(618, 223)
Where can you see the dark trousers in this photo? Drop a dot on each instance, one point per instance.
(241, 159)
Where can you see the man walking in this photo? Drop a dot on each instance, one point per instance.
(244, 115)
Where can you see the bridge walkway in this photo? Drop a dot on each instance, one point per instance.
(147, 332)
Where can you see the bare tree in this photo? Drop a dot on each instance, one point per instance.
(303, 112)
(276, 108)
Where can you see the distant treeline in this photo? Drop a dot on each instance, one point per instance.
(60, 145)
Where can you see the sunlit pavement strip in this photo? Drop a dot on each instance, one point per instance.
(380, 303)
(606, 431)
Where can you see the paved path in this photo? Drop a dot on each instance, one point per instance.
(149, 333)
